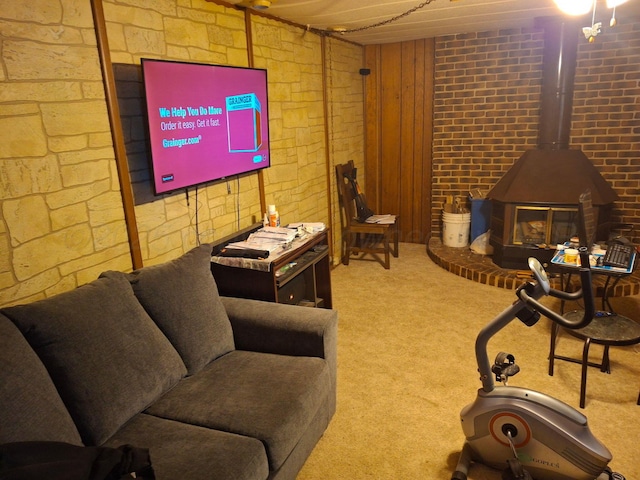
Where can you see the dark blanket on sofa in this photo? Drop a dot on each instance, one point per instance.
(63, 461)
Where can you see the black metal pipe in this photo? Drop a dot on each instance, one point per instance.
(558, 76)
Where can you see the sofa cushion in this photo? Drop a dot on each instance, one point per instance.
(273, 398)
(183, 451)
(105, 355)
(181, 296)
(30, 406)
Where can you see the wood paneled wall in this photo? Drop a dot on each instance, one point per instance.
(398, 136)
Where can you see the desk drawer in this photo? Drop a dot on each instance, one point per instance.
(294, 291)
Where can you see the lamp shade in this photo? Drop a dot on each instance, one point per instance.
(615, 3)
(577, 7)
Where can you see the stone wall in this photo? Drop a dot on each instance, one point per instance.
(345, 119)
(61, 220)
(61, 213)
(203, 32)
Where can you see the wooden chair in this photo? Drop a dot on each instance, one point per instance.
(359, 237)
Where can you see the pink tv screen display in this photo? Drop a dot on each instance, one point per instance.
(206, 122)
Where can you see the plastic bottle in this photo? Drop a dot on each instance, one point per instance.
(274, 216)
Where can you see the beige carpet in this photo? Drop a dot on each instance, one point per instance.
(406, 368)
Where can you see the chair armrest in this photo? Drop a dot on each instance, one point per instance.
(283, 329)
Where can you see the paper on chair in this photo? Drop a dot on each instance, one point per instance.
(386, 219)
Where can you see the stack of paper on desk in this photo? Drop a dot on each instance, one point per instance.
(252, 245)
(281, 233)
(267, 238)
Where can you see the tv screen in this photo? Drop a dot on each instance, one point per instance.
(206, 122)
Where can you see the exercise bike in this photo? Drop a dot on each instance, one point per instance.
(527, 434)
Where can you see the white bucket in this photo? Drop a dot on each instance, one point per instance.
(455, 229)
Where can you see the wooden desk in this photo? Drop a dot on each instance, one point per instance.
(297, 276)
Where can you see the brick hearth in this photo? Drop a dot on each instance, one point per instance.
(479, 268)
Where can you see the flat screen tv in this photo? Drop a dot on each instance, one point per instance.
(206, 122)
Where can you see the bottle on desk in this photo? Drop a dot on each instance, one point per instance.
(274, 216)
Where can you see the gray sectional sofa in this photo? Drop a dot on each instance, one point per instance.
(214, 387)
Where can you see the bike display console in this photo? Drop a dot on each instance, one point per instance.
(298, 275)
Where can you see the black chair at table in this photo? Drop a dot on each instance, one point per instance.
(607, 328)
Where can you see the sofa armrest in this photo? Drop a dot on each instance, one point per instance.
(283, 329)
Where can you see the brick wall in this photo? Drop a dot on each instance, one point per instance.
(606, 113)
(486, 109)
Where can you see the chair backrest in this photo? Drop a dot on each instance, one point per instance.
(586, 221)
(346, 195)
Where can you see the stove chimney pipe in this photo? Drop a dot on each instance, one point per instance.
(558, 74)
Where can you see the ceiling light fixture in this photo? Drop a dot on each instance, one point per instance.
(261, 4)
(582, 7)
(575, 7)
(613, 4)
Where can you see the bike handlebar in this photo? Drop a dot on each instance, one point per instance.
(586, 292)
(528, 295)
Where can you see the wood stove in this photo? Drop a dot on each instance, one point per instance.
(523, 230)
(534, 206)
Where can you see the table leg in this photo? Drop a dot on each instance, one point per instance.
(552, 349)
(605, 294)
(605, 367)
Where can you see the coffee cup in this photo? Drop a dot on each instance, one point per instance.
(571, 256)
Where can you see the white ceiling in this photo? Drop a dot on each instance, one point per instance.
(435, 18)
